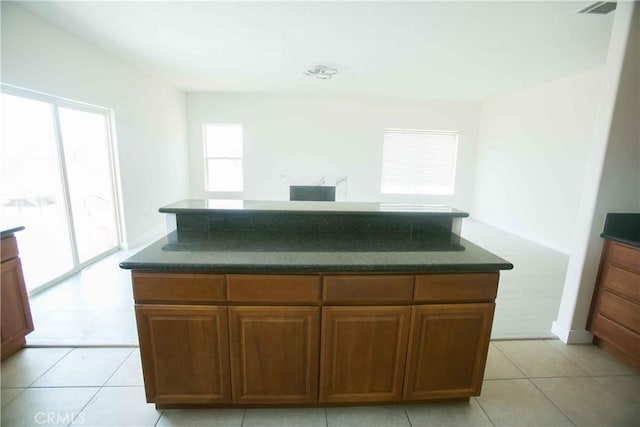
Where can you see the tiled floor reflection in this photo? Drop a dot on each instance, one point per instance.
(527, 383)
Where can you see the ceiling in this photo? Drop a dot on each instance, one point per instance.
(433, 50)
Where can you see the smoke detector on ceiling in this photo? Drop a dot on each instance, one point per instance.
(600, 8)
(321, 72)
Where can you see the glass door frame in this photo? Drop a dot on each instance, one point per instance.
(56, 103)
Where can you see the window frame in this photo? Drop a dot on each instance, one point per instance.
(207, 157)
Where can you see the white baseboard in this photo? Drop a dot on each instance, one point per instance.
(146, 238)
(571, 336)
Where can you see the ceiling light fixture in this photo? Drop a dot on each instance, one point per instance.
(321, 72)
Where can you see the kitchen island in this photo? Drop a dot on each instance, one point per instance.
(312, 303)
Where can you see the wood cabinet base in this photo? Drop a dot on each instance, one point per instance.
(242, 340)
(614, 319)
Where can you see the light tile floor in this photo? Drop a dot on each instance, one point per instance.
(527, 383)
(93, 307)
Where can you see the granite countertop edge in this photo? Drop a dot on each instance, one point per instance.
(310, 208)
(624, 240)
(315, 268)
(9, 231)
(458, 214)
(196, 254)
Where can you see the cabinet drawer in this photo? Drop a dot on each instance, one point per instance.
(178, 287)
(280, 289)
(620, 310)
(623, 338)
(624, 256)
(374, 289)
(9, 248)
(466, 287)
(622, 282)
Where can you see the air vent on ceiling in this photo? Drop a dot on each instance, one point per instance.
(600, 8)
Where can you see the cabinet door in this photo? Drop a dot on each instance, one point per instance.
(363, 353)
(185, 353)
(16, 315)
(448, 348)
(274, 354)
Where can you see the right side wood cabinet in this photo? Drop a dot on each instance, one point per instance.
(615, 310)
(249, 339)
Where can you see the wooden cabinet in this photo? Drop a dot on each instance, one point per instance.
(448, 347)
(274, 354)
(363, 353)
(185, 353)
(255, 339)
(14, 309)
(615, 311)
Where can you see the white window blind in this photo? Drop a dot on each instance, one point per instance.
(223, 157)
(419, 161)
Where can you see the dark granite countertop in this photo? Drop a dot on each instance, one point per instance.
(255, 252)
(622, 228)
(218, 205)
(8, 231)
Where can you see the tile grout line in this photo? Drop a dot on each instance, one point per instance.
(552, 402)
(160, 417)
(565, 357)
(100, 388)
(119, 366)
(326, 417)
(85, 406)
(510, 361)
(244, 414)
(50, 367)
(406, 414)
(486, 414)
(14, 397)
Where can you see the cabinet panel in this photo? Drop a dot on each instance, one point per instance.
(274, 289)
(15, 311)
(274, 354)
(620, 311)
(463, 287)
(620, 337)
(625, 256)
(621, 281)
(367, 289)
(363, 353)
(447, 350)
(178, 287)
(8, 248)
(185, 354)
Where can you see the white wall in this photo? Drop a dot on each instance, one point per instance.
(150, 115)
(613, 173)
(306, 135)
(532, 151)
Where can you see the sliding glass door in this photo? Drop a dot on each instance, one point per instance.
(57, 181)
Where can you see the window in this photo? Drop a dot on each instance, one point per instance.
(223, 157)
(418, 161)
